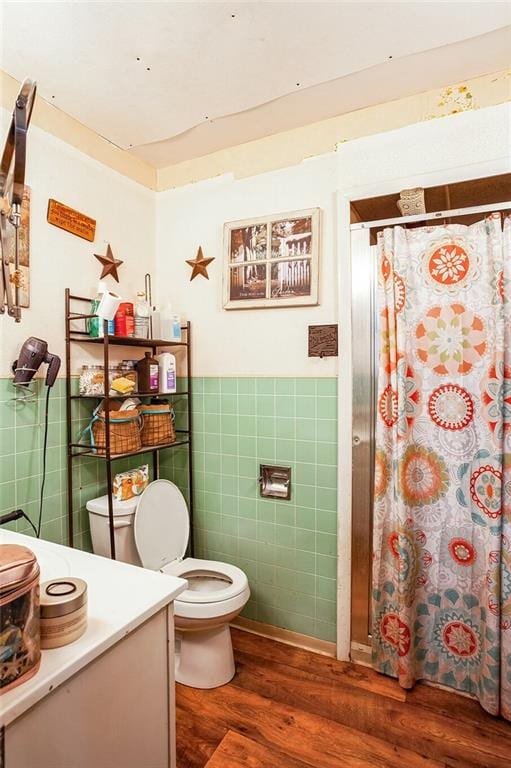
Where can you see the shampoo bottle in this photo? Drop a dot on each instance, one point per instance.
(167, 372)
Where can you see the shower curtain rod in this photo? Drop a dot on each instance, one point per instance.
(437, 215)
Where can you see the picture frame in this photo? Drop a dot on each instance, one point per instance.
(272, 261)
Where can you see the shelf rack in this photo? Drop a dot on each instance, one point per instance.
(76, 450)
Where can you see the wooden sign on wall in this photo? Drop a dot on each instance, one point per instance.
(323, 341)
(77, 223)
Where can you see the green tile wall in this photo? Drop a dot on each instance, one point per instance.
(287, 549)
(21, 440)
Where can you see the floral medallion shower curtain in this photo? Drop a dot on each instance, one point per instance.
(442, 509)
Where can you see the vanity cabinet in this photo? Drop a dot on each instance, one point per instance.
(117, 712)
(107, 699)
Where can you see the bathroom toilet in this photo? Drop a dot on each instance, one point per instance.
(153, 530)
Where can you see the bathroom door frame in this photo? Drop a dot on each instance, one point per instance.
(346, 648)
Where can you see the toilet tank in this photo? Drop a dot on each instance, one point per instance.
(124, 517)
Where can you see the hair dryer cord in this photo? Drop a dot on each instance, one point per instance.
(45, 446)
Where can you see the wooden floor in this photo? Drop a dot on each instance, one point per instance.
(288, 708)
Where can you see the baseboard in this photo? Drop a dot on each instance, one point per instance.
(286, 636)
(360, 654)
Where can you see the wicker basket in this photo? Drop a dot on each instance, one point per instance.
(124, 432)
(157, 425)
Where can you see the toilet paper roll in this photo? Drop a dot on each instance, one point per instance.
(108, 305)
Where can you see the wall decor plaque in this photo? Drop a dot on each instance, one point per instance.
(323, 341)
(77, 223)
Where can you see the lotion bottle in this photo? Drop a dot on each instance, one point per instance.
(167, 372)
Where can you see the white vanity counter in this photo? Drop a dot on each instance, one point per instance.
(121, 598)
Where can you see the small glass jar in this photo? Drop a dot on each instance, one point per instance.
(127, 370)
(113, 373)
(92, 380)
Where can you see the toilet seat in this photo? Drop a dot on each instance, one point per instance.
(162, 525)
(162, 530)
(209, 604)
(210, 574)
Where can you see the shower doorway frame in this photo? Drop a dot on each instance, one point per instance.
(356, 406)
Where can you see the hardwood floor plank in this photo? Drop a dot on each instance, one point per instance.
(316, 741)
(443, 702)
(196, 737)
(237, 751)
(459, 708)
(346, 673)
(454, 742)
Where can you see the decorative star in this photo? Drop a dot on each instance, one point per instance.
(199, 265)
(110, 264)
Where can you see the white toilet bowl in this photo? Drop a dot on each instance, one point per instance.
(216, 594)
(153, 531)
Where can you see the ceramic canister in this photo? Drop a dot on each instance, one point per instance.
(63, 611)
(20, 652)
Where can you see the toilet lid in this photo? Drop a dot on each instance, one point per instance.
(162, 525)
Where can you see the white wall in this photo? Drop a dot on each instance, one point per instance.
(269, 342)
(125, 215)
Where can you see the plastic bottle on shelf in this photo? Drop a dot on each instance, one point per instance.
(148, 374)
(142, 314)
(165, 327)
(95, 324)
(175, 332)
(167, 372)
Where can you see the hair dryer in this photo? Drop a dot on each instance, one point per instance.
(33, 353)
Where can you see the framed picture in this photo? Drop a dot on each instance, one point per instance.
(272, 261)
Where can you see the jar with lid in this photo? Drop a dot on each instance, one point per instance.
(92, 380)
(128, 371)
(19, 609)
(114, 372)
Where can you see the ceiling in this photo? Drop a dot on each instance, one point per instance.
(168, 81)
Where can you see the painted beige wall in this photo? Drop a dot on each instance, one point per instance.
(124, 211)
(269, 342)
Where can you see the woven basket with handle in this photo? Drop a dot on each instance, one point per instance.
(124, 432)
(157, 425)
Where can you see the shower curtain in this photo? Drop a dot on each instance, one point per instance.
(442, 508)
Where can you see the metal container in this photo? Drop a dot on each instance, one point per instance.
(20, 650)
(63, 611)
